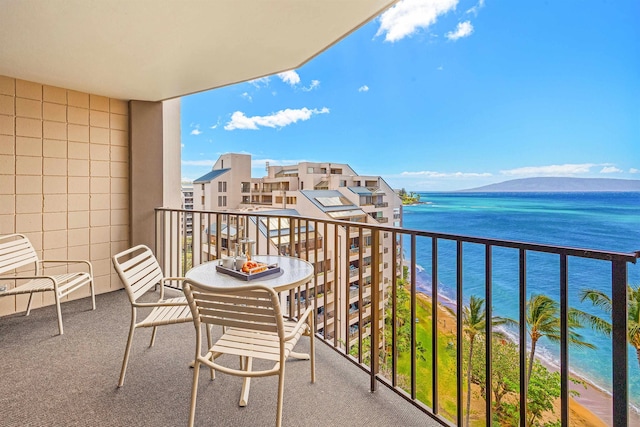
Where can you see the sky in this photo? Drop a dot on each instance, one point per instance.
(442, 95)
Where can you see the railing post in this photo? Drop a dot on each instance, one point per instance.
(620, 363)
(524, 383)
(434, 323)
(488, 304)
(564, 341)
(375, 306)
(459, 332)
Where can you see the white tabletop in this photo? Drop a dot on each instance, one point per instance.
(294, 272)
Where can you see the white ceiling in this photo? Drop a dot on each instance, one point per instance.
(159, 49)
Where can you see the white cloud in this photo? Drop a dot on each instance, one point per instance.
(246, 96)
(363, 88)
(464, 29)
(258, 83)
(196, 129)
(634, 170)
(408, 16)
(551, 170)
(433, 174)
(314, 85)
(276, 120)
(440, 68)
(290, 77)
(209, 163)
(474, 10)
(610, 169)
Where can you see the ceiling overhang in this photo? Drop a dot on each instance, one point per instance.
(157, 50)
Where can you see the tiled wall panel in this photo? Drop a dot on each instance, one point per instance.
(64, 171)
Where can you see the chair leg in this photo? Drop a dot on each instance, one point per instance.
(93, 294)
(29, 304)
(59, 311)
(209, 345)
(280, 396)
(127, 350)
(153, 336)
(312, 350)
(194, 392)
(246, 383)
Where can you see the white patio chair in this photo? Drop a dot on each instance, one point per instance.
(16, 251)
(253, 328)
(139, 271)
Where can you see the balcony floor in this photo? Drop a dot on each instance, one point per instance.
(70, 380)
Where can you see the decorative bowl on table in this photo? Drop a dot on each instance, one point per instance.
(250, 270)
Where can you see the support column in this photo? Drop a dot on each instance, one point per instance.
(155, 165)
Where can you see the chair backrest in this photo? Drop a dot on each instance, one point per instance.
(254, 307)
(15, 251)
(138, 269)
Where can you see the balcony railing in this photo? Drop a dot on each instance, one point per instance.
(376, 348)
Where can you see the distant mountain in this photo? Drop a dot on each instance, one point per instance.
(559, 184)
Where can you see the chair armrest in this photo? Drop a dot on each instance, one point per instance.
(301, 321)
(27, 278)
(67, 261)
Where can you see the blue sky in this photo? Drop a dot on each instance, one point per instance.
(437, 95)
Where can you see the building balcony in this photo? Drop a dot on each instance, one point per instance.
(104, 406)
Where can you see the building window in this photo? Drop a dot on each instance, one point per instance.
(309, 170)
(301, 185)
(291, 200)
(202, 186)
(343, 183)
(202, 200)
(222, 201)
(222, 186)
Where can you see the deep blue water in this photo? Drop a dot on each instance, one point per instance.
(601, 221)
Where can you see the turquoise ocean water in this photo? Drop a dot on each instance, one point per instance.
(604, 221)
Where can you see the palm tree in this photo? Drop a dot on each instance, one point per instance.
(601, 300)
(543, 320)
(473, 323)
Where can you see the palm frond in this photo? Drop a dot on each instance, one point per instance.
(597, 298)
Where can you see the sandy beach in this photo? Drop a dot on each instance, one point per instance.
(591, 408)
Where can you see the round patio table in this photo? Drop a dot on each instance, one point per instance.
(294, 272)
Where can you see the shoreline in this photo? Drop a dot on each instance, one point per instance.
(592, 408)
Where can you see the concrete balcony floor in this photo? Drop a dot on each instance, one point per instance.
(70, 380)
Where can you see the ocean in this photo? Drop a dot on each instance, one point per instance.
(601, 221)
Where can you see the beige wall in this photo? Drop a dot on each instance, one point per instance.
(64, 177)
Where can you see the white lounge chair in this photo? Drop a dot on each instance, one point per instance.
(253, 328)
(139, 271)
(17, 251)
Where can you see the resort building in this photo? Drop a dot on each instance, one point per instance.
(330, 191)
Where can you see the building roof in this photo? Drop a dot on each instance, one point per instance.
(211, 176)
(366, 191)
(153, 51)
(329, 200)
